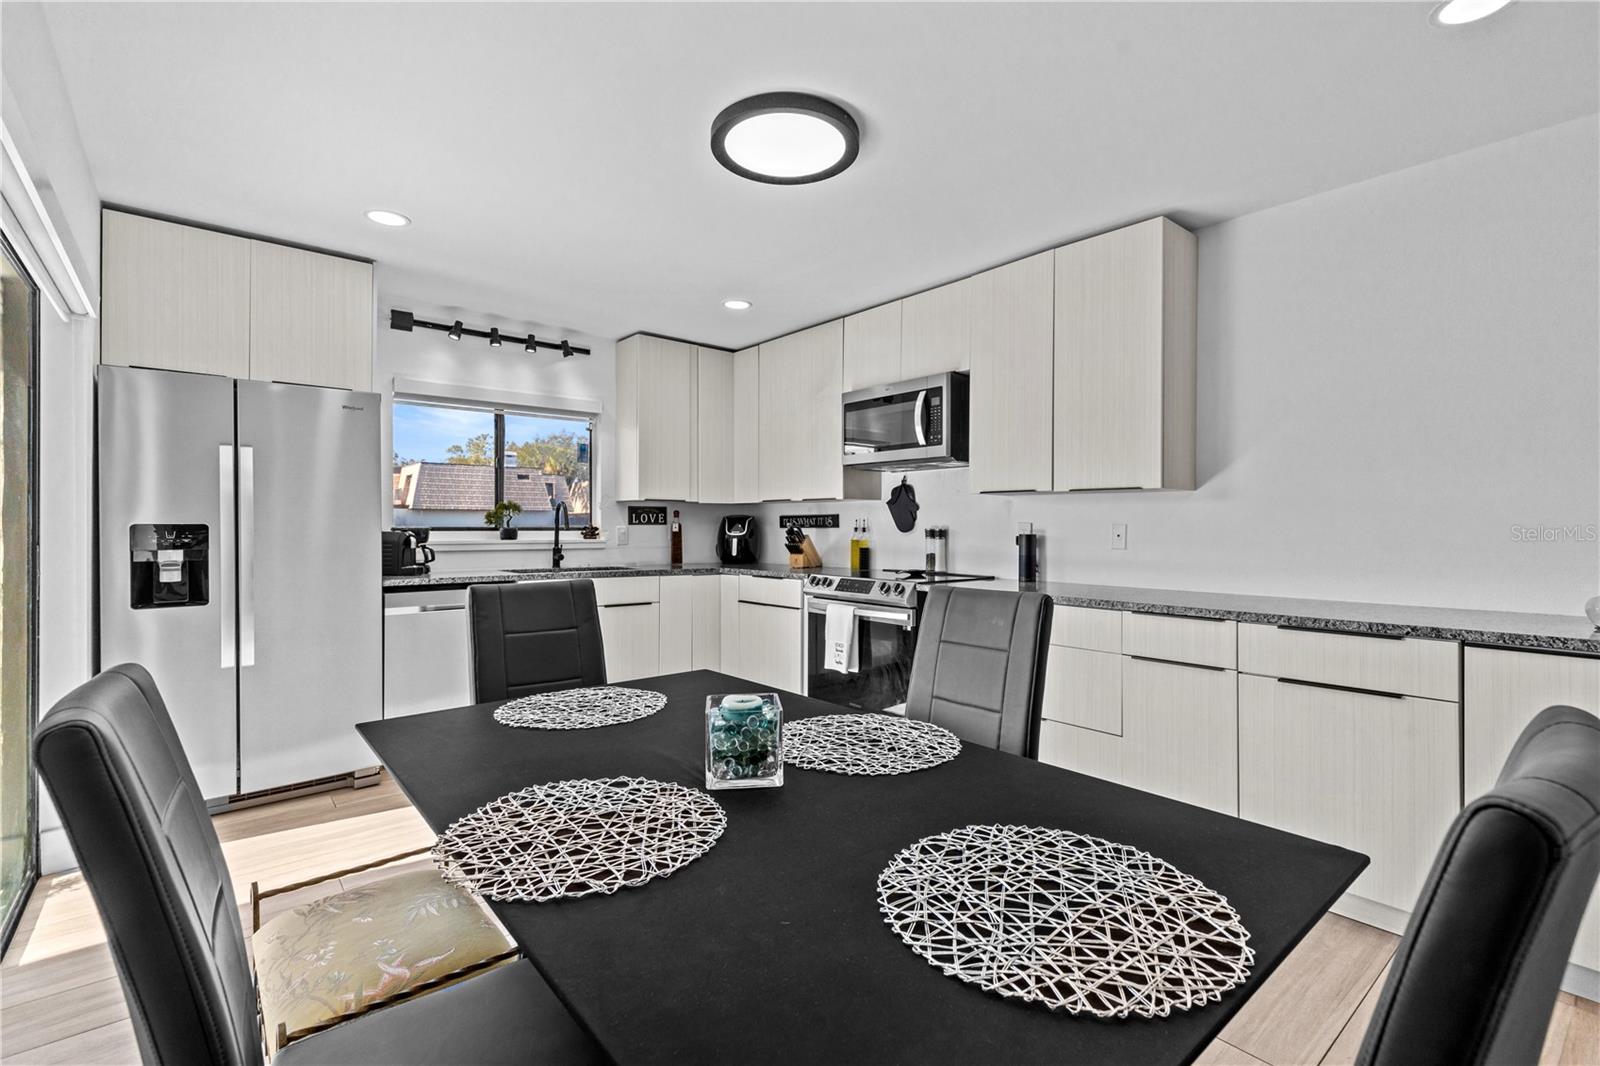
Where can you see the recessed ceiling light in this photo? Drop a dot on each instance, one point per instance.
(1461, 12)
(785, 138)
(388, 218)
(736, 305)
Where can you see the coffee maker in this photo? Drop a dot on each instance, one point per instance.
(406, 552)
(738, 540)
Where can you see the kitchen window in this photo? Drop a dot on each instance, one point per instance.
(454, 462)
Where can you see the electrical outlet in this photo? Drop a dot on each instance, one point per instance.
(622, 536)
(1119, 536)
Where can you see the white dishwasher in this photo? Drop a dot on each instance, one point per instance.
(426, 653)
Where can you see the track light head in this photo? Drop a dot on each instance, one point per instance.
(455, 331)
(530, 344)
(566, 349)
(494, 336)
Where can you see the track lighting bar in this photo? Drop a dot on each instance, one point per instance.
(405, 321)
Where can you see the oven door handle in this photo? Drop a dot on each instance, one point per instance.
(904, 619)
(920, 418)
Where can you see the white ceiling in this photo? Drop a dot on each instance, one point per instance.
(555, 161)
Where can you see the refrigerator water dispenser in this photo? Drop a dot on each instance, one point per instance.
(169, 565)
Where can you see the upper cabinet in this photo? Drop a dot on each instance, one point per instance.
(935, 330)
(179, 297)
(657, 441)
(174, 297)
(1012, 366)
(310, 317)
(746, 420)
(715, 431)
(872, 347)
(1124, 359)
(801, 436)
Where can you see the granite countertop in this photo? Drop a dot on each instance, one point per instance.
(1543, 632)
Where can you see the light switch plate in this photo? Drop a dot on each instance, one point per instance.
(622, 536)
(1119, 536)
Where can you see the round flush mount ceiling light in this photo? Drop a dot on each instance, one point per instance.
(785, 138)
(1461, 12)
(388, 218)
(736, 305)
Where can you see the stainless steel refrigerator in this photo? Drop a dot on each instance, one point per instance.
(239, 562)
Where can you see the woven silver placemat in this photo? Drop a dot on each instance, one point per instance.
(1076, 923)
(867, 744)
(578, 838)
(580, 708)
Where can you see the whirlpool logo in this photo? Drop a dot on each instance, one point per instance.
(351, 407)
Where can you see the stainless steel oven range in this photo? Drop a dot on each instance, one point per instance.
(883, 609)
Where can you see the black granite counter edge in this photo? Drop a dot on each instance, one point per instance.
(1534, 632)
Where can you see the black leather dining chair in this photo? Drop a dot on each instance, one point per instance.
(129, 802)
(534, 636)
(1476, 976)
(979, 665)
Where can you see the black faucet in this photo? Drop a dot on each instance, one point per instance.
(556, 554)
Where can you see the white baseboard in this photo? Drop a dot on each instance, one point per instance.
(1579, 980)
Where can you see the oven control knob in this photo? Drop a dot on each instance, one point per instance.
(899, 590)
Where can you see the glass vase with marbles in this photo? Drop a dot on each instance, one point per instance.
(744, 741)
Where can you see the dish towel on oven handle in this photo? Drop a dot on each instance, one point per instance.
(839, 639)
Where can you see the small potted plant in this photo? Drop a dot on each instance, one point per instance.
(500, 517)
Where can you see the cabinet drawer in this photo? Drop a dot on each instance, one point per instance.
(1376, 774)
(1180, 639)
(1084, 751)
(1410, 666)
(1086, 627)
(776, 591)
(426, 658)
(631, 633)
(612, 591)
(1084, 688)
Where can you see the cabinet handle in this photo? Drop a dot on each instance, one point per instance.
(1340, 632)
(1175, 662)
(1185, 617)
(1341, 688)
(641, 603)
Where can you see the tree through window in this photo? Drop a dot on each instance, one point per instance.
(453, 462)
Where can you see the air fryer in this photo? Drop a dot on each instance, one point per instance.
(738, 540)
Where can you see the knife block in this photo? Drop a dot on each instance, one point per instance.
(804, 556)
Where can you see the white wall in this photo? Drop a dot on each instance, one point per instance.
(427, 355)
(1393, 376)
(39, 118)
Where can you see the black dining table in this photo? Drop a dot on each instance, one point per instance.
(771, 947)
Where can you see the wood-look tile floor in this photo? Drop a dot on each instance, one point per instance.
(61, 1002)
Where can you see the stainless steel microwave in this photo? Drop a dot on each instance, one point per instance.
(911, 424)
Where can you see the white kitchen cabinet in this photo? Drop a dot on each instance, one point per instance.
(783, 436)
(771, 645)
(657, 443)
(705, 593)
(801, 438)
(1410, 666)
(746, 413)
(715, 428)
(1377, 774)
(1124, 359)
(1504, 691)
(935, 330)
(677, 622)
(1181, 638)
(426, 653)
(728, 602)
(310, 318)
(1084, 751)
(872, 347)
(1013, 366)
(1084, 688)
(632, 635)
(1180, 732)
(174, 297)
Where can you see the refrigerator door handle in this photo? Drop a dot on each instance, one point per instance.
(247, 556)
(223, 579)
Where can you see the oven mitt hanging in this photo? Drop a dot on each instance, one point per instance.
(903, 506)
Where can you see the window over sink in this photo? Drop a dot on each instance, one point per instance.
(453, 462)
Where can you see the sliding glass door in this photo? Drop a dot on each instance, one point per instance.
(19, 850)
